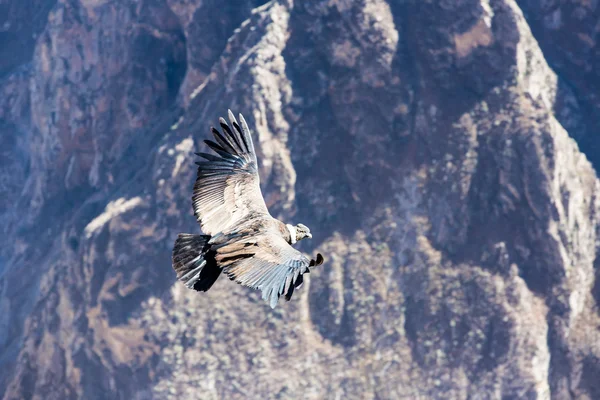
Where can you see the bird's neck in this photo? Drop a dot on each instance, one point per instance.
(292, 230)
(288, 232)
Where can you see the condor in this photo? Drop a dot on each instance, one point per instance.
(240, 237)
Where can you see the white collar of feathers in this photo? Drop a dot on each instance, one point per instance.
(292, 230)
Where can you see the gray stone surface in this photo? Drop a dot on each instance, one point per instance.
(428, 145)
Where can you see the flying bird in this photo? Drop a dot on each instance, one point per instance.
(241, 238)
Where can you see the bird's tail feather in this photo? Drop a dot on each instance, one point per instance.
(194, 262)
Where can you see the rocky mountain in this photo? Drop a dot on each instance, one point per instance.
(442, 153)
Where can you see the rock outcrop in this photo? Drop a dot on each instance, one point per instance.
(438, 153)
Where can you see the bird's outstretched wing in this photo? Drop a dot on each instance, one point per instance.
(264, 261)
(227, 188)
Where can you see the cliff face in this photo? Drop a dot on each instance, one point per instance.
(567, 32)
(431, 147)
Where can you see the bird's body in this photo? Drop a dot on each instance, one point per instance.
(241, 238)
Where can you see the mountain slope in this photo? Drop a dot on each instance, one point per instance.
(426, 145)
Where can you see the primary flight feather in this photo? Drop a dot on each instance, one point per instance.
(240, 237)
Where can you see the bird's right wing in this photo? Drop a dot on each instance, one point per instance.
(265, 261)
(227, 188)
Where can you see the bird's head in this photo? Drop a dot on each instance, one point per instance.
(298, 233)
(302, 232)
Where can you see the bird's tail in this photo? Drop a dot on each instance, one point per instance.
(194, 262)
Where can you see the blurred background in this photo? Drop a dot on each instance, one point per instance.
(443, 154)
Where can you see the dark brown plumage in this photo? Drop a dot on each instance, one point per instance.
(241, 238)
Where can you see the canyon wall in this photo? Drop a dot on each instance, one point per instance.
(442, 153)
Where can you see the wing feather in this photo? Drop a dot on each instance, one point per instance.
(223, 142)
(219, 150)
(227, 188)
(238, 139)
(209, 157)
(246, 136)
(233, 140)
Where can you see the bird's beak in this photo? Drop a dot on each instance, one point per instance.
(309, 235)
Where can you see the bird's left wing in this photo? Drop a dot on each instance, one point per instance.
(227, 188)
(265, 262)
